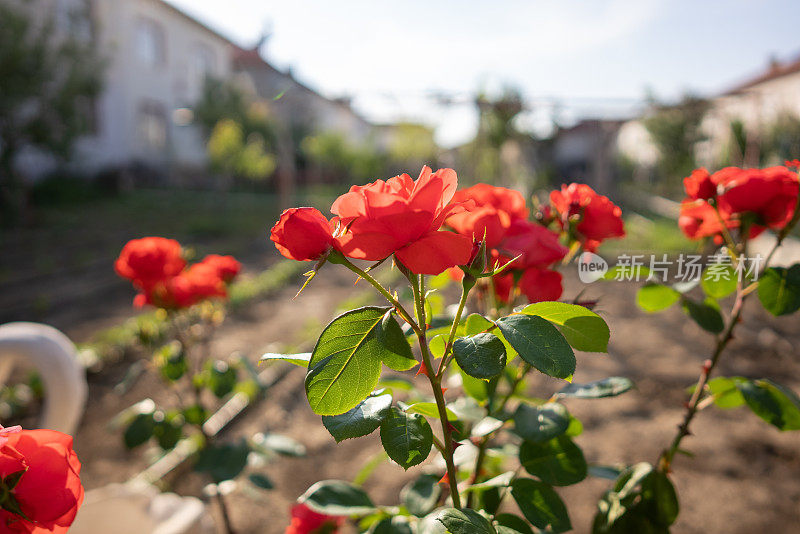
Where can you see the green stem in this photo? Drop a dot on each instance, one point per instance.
(418, 287)
(453, 329)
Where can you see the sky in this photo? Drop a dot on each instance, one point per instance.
(570, 58)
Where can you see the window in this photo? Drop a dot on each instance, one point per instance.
(201, 65)
(152, 126)
(151, 43)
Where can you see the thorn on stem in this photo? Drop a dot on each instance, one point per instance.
(423, 370)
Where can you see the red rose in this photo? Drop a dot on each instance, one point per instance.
(699, 185)
(307, 521)
(402, 217)
(302, 234)
(149, 261)
(598, 217)
(769, 193)
(195, 284)
(538, 246)
(49, 491)
(495, 208)
(698, 219)
(226, 267)
(537, 285)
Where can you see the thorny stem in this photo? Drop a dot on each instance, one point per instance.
(697, 401)
(418, 287)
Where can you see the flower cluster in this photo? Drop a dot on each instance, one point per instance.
(500, 216)
(589, 217)
(40, 481)
(399, 216)
(731, 197)
(159, 272)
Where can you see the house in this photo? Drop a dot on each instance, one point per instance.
(157, 60)
(586, 152)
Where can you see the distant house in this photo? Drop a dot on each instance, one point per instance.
(756, 105)
(158, 59)
(586, 152)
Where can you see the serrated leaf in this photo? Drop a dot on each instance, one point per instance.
(421, 496)
(540, 504)
(541, 423)
(719, 281)
(345, 365)
(607, 387)
(480, 356)
(511, 524)
(337, 498)
(726, 394)
(583, 329)
(360, 421)
(656, 297)
(705, 315)
(558, 461)
(398, 355)
(775, 404)
(779, 289)
(465, 522)
(406, 437)
(540, 344)
(429, 409)
(300, 360)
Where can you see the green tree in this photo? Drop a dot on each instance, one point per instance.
(49, 81)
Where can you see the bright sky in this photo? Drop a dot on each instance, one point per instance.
(574, 58)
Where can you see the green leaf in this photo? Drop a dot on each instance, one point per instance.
(474, 387)
(726, 393)
(421, 496)
(406, 438)
(392, 525)
(224, 461)
(465, 522)
(346, 363)
(485, 426)
(169, 431)
(607, 387)
(337, 498)
(775, 404)
(480, 356)
(280, 444)
(171, 361)
(260, 481)
(779, 289)
(139, 431)
(719, 281)
(656, 297)
(398, 355)
(300, 360)
(221, 378)
(195, 414)
(540, 344)
(500, 481)
(429, 409)
(558, 461)
(584, 329)
(540, 504)
(541, 423)
(511, 524)
(705, 314)
(476, 323)
(360, 421)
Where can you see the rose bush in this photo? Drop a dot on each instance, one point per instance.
(592, 217)
(40, 481)
(476, 361)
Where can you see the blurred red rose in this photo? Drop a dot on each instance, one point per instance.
(197, 283)
(699, 185)
(598, 217)
(401, 216)
(303, 234)
(698, 219)
(149, 261)
(537, 285)
(307, 521)
(226, 267)
(49, 490)
(538, 246)
(495, 208)
(769, 193)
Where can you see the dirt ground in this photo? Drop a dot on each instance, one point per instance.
(744, 477)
